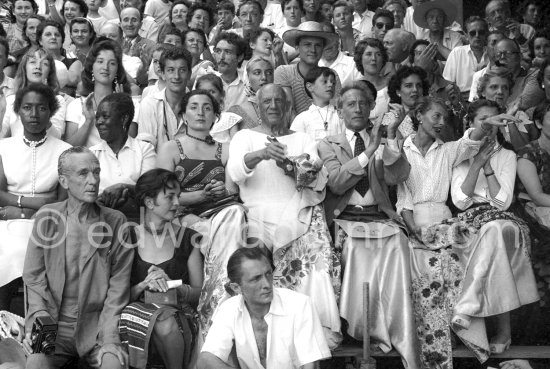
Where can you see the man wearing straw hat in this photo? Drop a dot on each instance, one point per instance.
(310, 40)
(434, 17)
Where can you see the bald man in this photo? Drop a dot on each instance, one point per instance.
(149, 28)
(134, 44)
(398, 43)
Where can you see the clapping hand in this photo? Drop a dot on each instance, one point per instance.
(398, 111)
(114, 196)
(278, 44)
(486, 150)
(515, 364)
(274, 150)
(426, 59)
(88, 109)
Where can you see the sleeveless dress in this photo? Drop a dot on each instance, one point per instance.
(223, 233)
(138, 319)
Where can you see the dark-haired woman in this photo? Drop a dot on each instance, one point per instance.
(29, 35)
(177, 18)
(83, 35)
(194, 41)
(170, 330)
(103, 75)
(199, 163)
(405, 88)
(448, 265)
(122, 159)
(28, 179)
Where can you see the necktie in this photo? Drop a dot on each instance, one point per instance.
(363, 185)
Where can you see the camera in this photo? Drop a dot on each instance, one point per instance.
(43, 335)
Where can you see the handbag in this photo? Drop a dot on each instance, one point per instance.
(168, 298)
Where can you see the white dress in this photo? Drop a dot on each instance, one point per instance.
(17, 162)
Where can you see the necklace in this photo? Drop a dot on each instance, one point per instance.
(155, 232)
(208, 139)
(33, 145)
(325, 121)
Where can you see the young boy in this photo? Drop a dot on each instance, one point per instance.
(226, 18)
(93, 13)
(321, 119)
(156, 82)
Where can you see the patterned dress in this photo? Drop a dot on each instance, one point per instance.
(224, 232)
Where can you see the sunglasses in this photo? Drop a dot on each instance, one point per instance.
(478, 33)
(383, 25)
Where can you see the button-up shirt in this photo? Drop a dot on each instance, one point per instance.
(157, 122)
(134, 158)
(312, 122)
(234, 92)
(294, 334)
(461, 66)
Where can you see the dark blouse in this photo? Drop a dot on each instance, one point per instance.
(176, 267)
(541, 159)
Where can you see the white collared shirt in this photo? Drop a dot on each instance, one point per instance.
(234, 91)
(312, 122)
(461, 66)
(157, 122)
(363, 22)
(273, 15)
(344, 65)
(134, 158)
(294, 334)
(430, 176)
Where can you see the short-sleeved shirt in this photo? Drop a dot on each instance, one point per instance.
(461, 66)
(294, 336)
(157, 9)
(134, 158)
(290, 76)
(344, 65)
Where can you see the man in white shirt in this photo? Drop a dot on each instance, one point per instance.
(160, 119)
(368, 230)
(492, 39)
(335, 59)
(362, 17)
(464, 61)
(229, 54)
(261, 314)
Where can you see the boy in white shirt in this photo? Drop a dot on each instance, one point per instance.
(321, 119)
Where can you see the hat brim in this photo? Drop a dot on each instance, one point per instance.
(421, 10)
(292, 35)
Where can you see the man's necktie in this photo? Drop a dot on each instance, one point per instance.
(363, 185)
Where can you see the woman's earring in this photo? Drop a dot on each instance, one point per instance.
(116, 81)
(93, 78)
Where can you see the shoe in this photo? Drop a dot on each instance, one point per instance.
(461, 321)
(499, 348)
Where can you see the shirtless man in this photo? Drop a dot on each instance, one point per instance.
(260, 313)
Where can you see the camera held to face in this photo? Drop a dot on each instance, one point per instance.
(44, 333)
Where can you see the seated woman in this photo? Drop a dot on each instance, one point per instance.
(228, 123)
(446, 253)
(159, 260)
(264, 43)
(22, 10)
(29, 35)
(371, 60)
(405, 88)
(199, 163)
(103, 75)
(177, 18)
(28, 179)
(287, 218)
(260, 72)
(122, 159)
(36, 66)
(533, 203)
(495, 85)
(83, 35)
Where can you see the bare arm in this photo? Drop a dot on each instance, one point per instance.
(527, 173)
(211, 361)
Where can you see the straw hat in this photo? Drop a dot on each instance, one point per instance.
(309, 29)
(445, 6)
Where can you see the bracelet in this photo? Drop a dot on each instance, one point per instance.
(489, 174)
(19, 201)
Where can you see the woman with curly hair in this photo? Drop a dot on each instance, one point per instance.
(103, 75)
(405, 88)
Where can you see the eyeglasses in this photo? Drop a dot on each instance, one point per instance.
(383, 25)
(505, 54)
(478, 33)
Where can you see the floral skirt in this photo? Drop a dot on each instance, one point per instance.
(225, 232)
(309, 266)
(476, 264)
